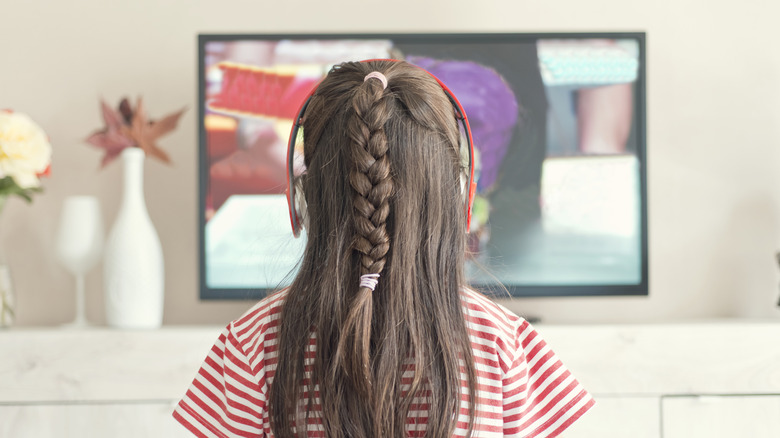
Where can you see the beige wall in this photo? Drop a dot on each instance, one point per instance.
(713, 140)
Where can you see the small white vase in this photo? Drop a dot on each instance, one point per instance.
(133, 264)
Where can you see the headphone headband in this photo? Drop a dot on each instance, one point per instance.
(295, 219)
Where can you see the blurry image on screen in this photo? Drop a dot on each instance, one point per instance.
(554, 129)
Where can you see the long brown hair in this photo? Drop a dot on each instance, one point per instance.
(383, 194)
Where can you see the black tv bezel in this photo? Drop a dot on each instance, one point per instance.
(535, 291)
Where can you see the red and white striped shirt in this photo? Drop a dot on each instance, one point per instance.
(523, 389)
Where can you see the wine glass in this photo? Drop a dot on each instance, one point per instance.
(80, 243)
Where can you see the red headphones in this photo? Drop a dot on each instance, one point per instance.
(296, 220)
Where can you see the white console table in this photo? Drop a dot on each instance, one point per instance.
(706, 379)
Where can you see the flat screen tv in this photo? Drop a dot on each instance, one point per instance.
(558, 122)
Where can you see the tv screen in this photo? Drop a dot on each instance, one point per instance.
(558, 123)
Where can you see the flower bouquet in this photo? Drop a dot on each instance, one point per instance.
(25, 156)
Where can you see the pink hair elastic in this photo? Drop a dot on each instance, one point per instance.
(369, 280)
(377, 75)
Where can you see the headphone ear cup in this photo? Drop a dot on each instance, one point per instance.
(296, 207)
(470, 199)
(300, 204)
(293, 213)
(469, 191)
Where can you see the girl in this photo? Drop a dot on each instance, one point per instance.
(378, 335)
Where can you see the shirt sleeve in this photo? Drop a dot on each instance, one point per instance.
(541, 398)
(226, 398)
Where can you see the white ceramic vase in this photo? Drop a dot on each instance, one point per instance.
(133, 264)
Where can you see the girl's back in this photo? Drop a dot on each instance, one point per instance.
(523, 389)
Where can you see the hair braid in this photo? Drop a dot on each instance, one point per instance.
(372, 184)
(370, 178)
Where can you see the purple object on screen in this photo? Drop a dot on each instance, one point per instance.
(490, 104)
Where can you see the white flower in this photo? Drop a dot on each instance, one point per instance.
(25, 151)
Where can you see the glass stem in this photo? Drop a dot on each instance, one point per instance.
(80, 314)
